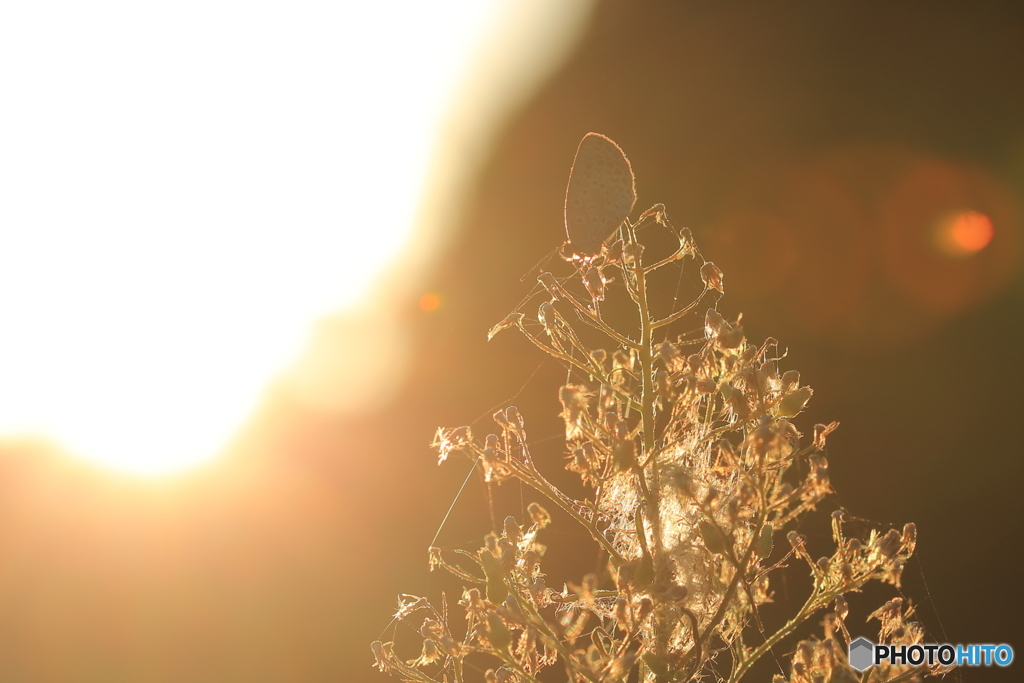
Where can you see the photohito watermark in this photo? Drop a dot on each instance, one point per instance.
(864, 654)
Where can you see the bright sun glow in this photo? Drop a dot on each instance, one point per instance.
(185, 187)
(965, 233)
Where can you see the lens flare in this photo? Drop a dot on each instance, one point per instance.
(964, 233)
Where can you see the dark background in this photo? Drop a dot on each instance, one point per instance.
(808, 146)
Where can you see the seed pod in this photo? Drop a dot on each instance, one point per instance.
(497, 591)
(792, 404)
(764, 541)
(658, 665)
(790, 381)
(498, 634)
(712, 277)
(714, 539)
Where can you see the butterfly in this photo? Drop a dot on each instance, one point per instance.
(600, 195)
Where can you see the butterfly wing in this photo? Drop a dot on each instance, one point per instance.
(600, 195)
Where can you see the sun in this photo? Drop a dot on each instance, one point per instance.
(187, 189)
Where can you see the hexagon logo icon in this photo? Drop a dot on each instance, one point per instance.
(860, 653)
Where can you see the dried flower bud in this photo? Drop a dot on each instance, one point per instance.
(548, 317)
(599, 356)
(713, 323)
(551, 285)
(889, 544)
(538, 515)
(909, 539)
(492, 447)
(447, 441)
(731, 337)
(823, 564)
(712, 277)
(491, 543)
(381, 653)
(631, 252)
(431, 629)
(667, 353)
(796, 539)
(511, 320)
(530, 561)
(594, 281)
(473, 599)
(515, 420)
(842, 608)
(512, 531)
(621, 359)
(431, 653)
(821, 432)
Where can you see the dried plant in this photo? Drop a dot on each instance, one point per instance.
(697, 480)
